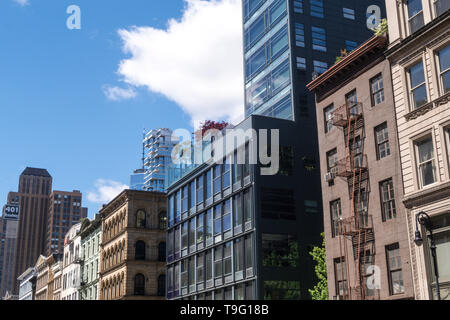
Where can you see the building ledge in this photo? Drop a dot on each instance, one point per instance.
(428, 106)
(428, 195)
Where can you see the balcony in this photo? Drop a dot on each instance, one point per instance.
(340, 117)
(349, 165)
(352, 226)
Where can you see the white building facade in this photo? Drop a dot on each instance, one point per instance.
(71, 264)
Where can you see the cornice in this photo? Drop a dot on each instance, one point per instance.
(428, 107)
(426, 196)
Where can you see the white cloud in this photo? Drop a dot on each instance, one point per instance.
(106, 190)
(22, 3)
(117, 93)
(196, 61)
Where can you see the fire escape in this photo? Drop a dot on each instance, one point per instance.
(355, 230)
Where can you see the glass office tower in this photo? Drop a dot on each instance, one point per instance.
(232, 232)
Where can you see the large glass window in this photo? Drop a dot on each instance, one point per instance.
(218, 256)
(209, 265)
(218, 219)
(200, 268)
(177, 240)
(350, 45)
(444, 68)
(276, 12)
(184, 236)
(192, 194)
(217, 178)
(278, 44)
(348, 13)
(298, 6)
(226, 173)
(177, 205)
(387, 200)
(280, 78)
(184, 199)
(256, 62)
(208, 183)
(319, 39)
(300, 34)
(238, 255)
(301, 63)
(417, 86)
(320, 66)
(336, 215)
(171, 210)
(227, 259)
(200, 189)
(394, 265)
(237, 168)
(425, 162)
(200, 235)
(209, 224)
(280, 250)
(316, 8)
(247, 205)
(226, 215)
(237, 210)
(250, 7)
(191, 271)
(415, 15)
(192, 232)
(254, 32)
(248, 253)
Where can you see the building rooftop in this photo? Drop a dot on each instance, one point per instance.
(36, 172)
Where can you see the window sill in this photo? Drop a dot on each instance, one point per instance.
(428, 106)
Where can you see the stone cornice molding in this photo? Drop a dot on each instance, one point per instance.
(427, 196)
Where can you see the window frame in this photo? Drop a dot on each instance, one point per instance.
(390, 272)
(440, 72)
(412, 102)
(419, 164)
(384, 128)
(390, 201)
(378, 78)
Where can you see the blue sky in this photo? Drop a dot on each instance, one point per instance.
(54, 110)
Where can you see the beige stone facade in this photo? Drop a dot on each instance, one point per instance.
(419, 48)
(132, 255)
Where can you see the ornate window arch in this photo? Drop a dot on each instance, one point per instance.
(139, 285)
(141, 218)
(139, 253)
(162, 221)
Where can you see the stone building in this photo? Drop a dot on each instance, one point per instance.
(419, 53)
(71, 264)
(133, 249)
(365, 231)
(45, 276)
(27, 284)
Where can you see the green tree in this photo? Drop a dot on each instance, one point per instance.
(320, 290)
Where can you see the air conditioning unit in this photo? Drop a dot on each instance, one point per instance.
(329, 176)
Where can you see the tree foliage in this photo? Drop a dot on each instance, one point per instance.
(320, 290)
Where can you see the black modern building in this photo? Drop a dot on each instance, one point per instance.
(234, 233)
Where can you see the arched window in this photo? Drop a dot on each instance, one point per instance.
(139, 250)
(139, 285)
(140, 219)
(161, 286)
(163, 220)
(162, 252)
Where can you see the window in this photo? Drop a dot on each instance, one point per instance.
(177, 240)
(360, 202)
(352, 101)
(377, 90)
(209, 225)
(348, 13)
(238, 255)
(425, 162)
(340, 276)
(209, 265)
(444, 68)
(162, 252)
(184, 273)
(161, 286)
(139, 250)
(218, 262)
(415, 15)
(277, 204)
(237, 167)
(316, 8)
(199, 182)
(250, 7)
(192, 192)
(200, 268)
(319, 39)
(162, 220)
(350, 45)
(218, 220)
(247, 206)
(331, 159)
(301, 63)
(184, 199)
(184, 236)
(417, 86)
(320, 66)
(394, 266)
(139, 285)
(227, 259)
(382, 141)
(192, 226)
(279, 250)
(178, 206)
(254, 32)
(299, 34)
(200, 236)
(140, 219)
(280, 78)
(336, 215)
(441, 6)
(328, 117)
(237, 210)
(217, 176)
(208, 184)
(191, 275)
(226, 218)
(387, 200)
(298, 6)
(276, 12)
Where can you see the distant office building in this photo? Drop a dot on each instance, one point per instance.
(65, 210)
(35, 186)
(90, 234)
(137, 180)
(158, 149)
(419, 53)
(71, 277)
(27, 284)
(133, 247)
(8, 234)
(366, 233)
